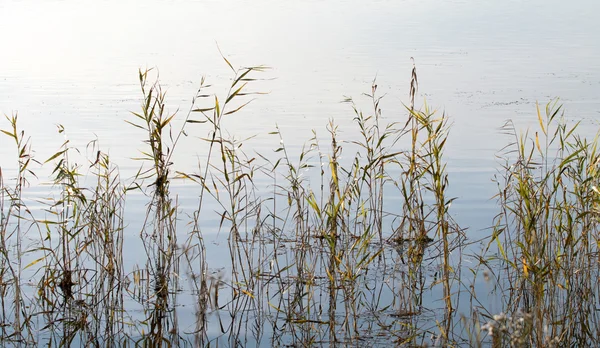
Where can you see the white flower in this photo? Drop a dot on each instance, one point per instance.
(489, 327)
(500, 317)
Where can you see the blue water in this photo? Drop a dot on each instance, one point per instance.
(75, 63)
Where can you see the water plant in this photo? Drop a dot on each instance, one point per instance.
(547, 229)
(317, 252)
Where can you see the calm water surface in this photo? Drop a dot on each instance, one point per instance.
(75, 63)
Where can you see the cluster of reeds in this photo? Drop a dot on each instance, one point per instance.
(16, 311)
(545, 238)
(301, 259)
(324, 257)
(74, 258)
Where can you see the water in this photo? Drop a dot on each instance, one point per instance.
(75, 63)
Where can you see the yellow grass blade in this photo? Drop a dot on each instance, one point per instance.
(539, 114)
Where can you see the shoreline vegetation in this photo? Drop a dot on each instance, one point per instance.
(325, 258)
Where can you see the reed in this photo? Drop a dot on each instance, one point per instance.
(16, 312)
(546, 232)
(318, 256)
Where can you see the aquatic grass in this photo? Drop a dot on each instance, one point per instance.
(547, 230)
(319, 256)
(228, 181)
(16, 312)
(331, 246)
(159, 227)
(79, 243)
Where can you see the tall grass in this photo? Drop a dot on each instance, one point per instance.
(16, 313)
(321, 256)
(547, 231)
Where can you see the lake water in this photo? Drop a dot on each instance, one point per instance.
(75, 63)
